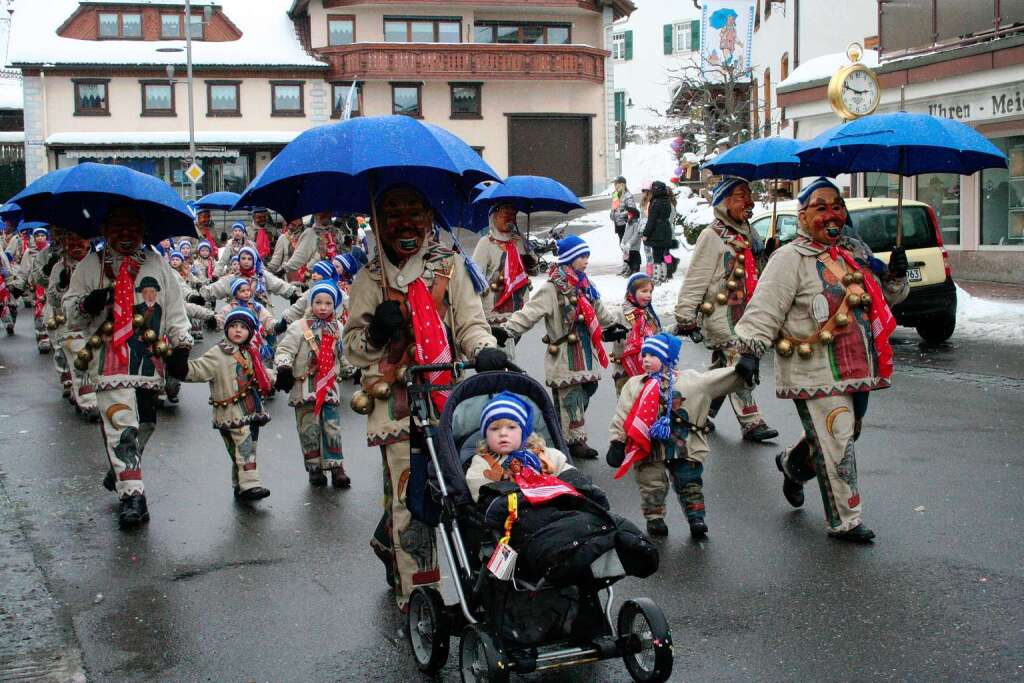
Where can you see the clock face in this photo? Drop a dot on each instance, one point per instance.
(860, 92)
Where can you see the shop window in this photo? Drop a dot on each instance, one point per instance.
(223, 98)
(466, 100)
(286, 98)
(1002, 197)
(170, 26)
(341, 29)
(91, 97)
(339, 96)
(881, 185)
(157, 98)
(941, 191)
(423, 30)
(406, 100)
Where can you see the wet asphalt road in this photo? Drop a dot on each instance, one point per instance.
(289, 590)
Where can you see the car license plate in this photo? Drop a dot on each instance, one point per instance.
(914, 274)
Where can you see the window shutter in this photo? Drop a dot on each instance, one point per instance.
(695, 35)
(629, 45)
(620, 106)
(668, 33)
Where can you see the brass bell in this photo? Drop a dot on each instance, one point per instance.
(381, 390)
(573, 300)
(842, 320)
(107, 328)
(80, 366)
(553, 349)
(721, 298)
(51, 324)
(95, 342)
(361, 403)
(546, 339)
(162, 348)
(149, 337)
(741, 258)
(738, 272)
(494, 287)
(804, 350)
(581, 318)
(138, 321)
(848, 279)
(707, 308)
(84, 355)
(572, 338)
(60, 318)
(854, 300)
(826, 337)
(865, 299)
(858, 276)
(732, 285)
(784, 348)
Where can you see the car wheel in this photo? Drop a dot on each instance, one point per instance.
(938, 328)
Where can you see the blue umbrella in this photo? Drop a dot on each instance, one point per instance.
(528, 193)
(77, 199)
(224, 201)
(339, 166)
(905, 144)
(10, 212)
(768, 158)
(27, 226)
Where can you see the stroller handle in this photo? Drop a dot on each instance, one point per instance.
(457, 367)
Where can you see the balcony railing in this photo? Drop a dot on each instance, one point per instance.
(484, 61)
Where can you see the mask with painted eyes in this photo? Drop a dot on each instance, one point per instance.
(824, 216)
(406, 220)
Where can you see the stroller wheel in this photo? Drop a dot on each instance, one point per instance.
(646, 641)
(429, 631)
(480, 657)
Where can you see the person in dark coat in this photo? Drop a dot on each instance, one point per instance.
(658, 231)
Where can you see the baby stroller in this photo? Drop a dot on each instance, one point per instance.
(521, 625)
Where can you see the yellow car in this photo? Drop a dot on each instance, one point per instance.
(931, 305)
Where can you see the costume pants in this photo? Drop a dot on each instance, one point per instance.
(409, 544)
(9, 313)
(571, 403)
(685, 475)
(42, 336)
(826, 451)
(319, 436)
(63, 368)
(743, 404)
(128, 418)
(241, 445)
(81, 391)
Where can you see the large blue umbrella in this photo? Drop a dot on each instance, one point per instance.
(10, 212)
(905, 144)
(339, 166)
(224, 201)
(77, 199)
(768, 158)
(528, 193)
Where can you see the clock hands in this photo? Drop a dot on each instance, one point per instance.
(853, 90)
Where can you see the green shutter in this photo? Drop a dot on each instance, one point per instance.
(695, 35)
(629, 45)
(668, 33)
(620, 106)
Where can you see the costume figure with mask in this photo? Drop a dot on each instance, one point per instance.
(823, 303)
(413, 304)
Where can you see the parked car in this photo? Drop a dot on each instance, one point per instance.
(931, 305)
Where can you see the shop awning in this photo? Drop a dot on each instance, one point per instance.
(150, 153)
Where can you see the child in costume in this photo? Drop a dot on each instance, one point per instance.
(203, 265)
(241, 297)
(660, 429)
(640, 318)
(239, 384)
(308, 363)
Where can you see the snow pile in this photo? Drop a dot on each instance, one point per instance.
(643, 164)
(822, 68)
(268, 39)
(988, 318)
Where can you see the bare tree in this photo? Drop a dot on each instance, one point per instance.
(711, 105)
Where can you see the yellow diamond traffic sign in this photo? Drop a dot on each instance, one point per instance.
(194, 173)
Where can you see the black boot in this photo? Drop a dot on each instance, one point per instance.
(791, 488)
(581, 451)
(339, 478)
(317, 478)
(657, 527)
(134, 511)
(255, 493)
(761, 432)
(698, 529)
(858, 534)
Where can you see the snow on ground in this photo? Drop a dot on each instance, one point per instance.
(988, 318)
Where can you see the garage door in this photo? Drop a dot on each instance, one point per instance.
(558, 147)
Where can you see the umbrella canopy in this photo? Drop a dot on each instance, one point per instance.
(768, 158)
(10, 212)
(77, 199)
(904, 143)
(528, 193)
(334, 167)
(223, 201)
(28, 226)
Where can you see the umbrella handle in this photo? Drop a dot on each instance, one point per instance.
(899, 212)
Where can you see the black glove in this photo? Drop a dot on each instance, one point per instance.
(748, 368)
(177, 363)
(898, 264)
(211, 323)
(770, 245)
(196, 299)
(530, 263)
(64, 280)
(491, 359)
(294, 297)
(16, 292)
(614, 333)
(387, 323)
(96, 300)
(48, 266)
(501, 335)
(285, 380)
(686, 329)
(616, 454)
(280, 326)
(214, 279)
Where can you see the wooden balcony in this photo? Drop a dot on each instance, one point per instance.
(468, 61)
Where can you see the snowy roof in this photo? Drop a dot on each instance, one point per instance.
(12, 136)
(173, 137)
(268, 39)
(821, 68)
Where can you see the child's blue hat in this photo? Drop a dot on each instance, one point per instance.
(663, 346)
(507, 406)
(571, 248)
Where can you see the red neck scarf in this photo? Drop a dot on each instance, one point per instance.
(326, 368)
(124, 301)
(209, 267)
(5, 294)
(330, 248)
(882, 321)
(262, 242)
(258, 371)
(431, 338)
(642, 328)
(40, 301)
(638, 425)
(584, 308)
(514, 272)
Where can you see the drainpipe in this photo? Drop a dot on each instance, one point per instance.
(612, 164)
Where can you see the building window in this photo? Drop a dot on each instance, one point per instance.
(423, 30)
(157, 98)
(131, 25)
(755, 108)
(466, 100)
(767, 8)
(223, 98)
(119, 25)
(109, 25)
(91, 97)
(784, 67)
(286, 98)
(405, 99)
(170, 26)
(339, 96)
(881, 185)
(1002, 197)
(683, 35)
(528, 32)
(196, 26)
(341, 29)
(618, 46)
